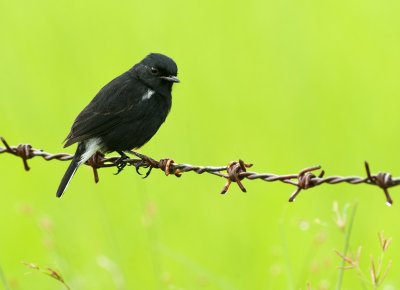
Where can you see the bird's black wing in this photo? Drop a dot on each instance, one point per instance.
(106, 110)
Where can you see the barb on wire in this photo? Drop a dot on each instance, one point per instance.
(234, 172)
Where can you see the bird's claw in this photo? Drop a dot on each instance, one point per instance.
(120, 164)
(120, 167)
(144, 164)
(137, 167)
(148, 172)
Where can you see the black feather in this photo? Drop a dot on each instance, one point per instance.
(73, 166)
(119, 117)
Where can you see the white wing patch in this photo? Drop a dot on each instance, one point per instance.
(147, 95)
(92, 145)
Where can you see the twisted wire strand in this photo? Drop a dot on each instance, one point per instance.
(234, 172)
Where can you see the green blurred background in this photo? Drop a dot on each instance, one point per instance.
(281, 84)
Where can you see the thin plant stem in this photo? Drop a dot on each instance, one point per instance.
(346, 246)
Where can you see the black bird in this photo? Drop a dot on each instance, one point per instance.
(125, 114)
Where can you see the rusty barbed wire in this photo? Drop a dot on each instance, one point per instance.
(236, 171)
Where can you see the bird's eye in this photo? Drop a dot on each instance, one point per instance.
(154, 71)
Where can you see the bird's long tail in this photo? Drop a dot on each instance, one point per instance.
(73, 166)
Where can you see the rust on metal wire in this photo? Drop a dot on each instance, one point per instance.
(234, 172)
(306, 179)
(383, 180)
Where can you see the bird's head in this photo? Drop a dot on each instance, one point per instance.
(157, 71)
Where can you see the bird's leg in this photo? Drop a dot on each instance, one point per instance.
(120, 162)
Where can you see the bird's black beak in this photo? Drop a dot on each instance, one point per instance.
(173, 79)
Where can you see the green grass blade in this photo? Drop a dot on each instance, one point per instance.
(346, 246)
